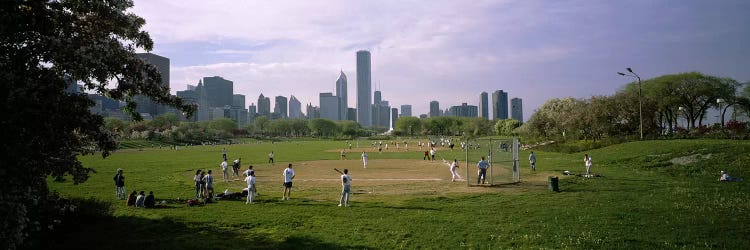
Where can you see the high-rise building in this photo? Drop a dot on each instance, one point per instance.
(280, 107)
(364, 89)
(351, 114)
(329, 106)
(264, 106)
(516, 107)
(238, 101)
(405, 110)
(295, 108)
(219, 91)
(484, 111)
(341, 92)
(312, 111)
(381, 115)
(499, 105)
(252, 112)
(378, 97)
(394, 117)
(464, 110)
(434, 108)
(145, 104)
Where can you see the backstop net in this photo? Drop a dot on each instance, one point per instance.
(502, 156)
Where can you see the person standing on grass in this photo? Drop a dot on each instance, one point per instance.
(346, 192)
(236, 167)
(532, 161)
(587, 162)
(119, 184)
(270, 158)
(288, 177)
(248, 171)
(432, 153)
(197, 179)
(364, 158)
(343, 154)
(209, 181)
(453, 167)
(224, 154)
(202, 185)
(482, 166)
(224, 167)
(250, 180)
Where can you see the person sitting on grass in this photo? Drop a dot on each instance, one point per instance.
(149, 202)
(131, 199)
(139, 201)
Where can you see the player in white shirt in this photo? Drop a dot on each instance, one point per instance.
(364, 158)
(346, 181)
(250, 179)
(288, 177)
(248, 171)
(224, 170)
(270, 158)
(453, 166)
(587, 161)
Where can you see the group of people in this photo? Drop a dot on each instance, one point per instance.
(141, 199)
(204, 184)
(135, 199)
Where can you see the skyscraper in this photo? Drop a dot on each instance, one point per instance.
(329, 106)
(295, 108)
(218, 91)
(252, 111)
(312, 111)
(378, 97)
(264, 105)
(364, 89)
(516, 107)
(464, 110)
(145, 104)
(484, 106)
(405, 110)
(394, 117)
(280, 107)
(341, 92)
(499, 105)
(238, 101)
(434, 108)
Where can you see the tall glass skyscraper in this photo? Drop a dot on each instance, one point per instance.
(484, 110)
(499, 105)
(516, 109)
(364, 88)
(341, 92)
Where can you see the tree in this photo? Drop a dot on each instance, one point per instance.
(409, 125)
(260, 123)
(42, 43)
(323, 127)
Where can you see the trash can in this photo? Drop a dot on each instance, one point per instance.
(553, 184)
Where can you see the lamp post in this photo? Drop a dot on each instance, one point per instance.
(720, 102)
(640, 102)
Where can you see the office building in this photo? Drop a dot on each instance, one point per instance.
(238, 101)
(484, 108)
(341, 92)
(219, 91)
(499, 105)
(364, 89)
(252, 112)
(145, 104)
(312, 111)
(264, 106)
(464, 110)
(351, 114)
(329, 106)
(280, 108)
(405, 110)
(394, 117)
(295, 108)
(434, 109)
(516, 107)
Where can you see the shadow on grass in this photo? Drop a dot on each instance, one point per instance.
(129, 232)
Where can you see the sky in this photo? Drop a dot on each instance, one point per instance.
(449, 51)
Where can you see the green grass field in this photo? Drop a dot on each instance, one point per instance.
(654, 195)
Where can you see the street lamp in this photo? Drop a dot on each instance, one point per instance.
(719, 102)
(640, 103)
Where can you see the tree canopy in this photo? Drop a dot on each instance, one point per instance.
(43, 43)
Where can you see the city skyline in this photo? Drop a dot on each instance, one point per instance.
(534, 50)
